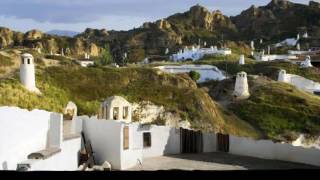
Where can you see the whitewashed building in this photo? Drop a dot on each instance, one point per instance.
(196, 53)
(34, 141)
(299, 81)
(85, 63)
(272, 57)
(287, 42)
(116, 108)
(207, 72)
(37, 143)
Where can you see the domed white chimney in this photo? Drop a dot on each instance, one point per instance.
(241, 89)
(27, 73)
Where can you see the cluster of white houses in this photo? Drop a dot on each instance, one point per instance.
(41, 140)
(196, 53)
(292, 54)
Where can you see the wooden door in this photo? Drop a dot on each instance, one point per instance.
(191, 141)
(223, 142)
(126, 137)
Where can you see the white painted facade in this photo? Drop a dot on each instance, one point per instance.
(85, 63)
(116, 108)
(196, 53)
(241, 89)
(24, 132)
(266, 149)
(107, 139)
(288, 42)
(27, 73)
(107, 142)
(207, 72)
(66, 160)
(299, 81)
(242, 60)
(272, 57)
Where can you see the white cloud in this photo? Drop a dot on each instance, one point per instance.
(110, 14)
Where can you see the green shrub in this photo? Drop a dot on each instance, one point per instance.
(194, 75)
(136, 55)
(105, 58)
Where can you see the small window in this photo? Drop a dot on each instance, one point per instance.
(126, 138)
(116, 113)
(125, 112)
(22, 61)
(28, 61)
(146, 139)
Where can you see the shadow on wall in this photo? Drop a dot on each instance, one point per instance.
(168, 149)
(4, 165)
(54, 134)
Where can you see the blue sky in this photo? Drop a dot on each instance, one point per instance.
(76, 15)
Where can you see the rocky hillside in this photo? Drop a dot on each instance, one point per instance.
(279, 19)
(48, 43)
(178, 30)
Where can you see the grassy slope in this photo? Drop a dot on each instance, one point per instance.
(87, 87)
(281, 111)
(277, 109)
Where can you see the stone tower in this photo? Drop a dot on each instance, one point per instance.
(282, 76)
(242, 61)
(241, 89)
(27, 73)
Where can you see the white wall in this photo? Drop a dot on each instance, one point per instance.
(106, 137)
(274, 57)
(55, 134)
(21, 132)
(268, 150)
(105, 140)
(66, 160)
(302, 83)
(164, 140)
(206, 72)
(132, 156)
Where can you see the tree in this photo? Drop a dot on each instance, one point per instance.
(105, 58)
(194, 75)
(136, 55)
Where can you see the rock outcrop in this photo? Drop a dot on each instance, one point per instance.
(34, 34)
(279, 19)
(6, 37)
